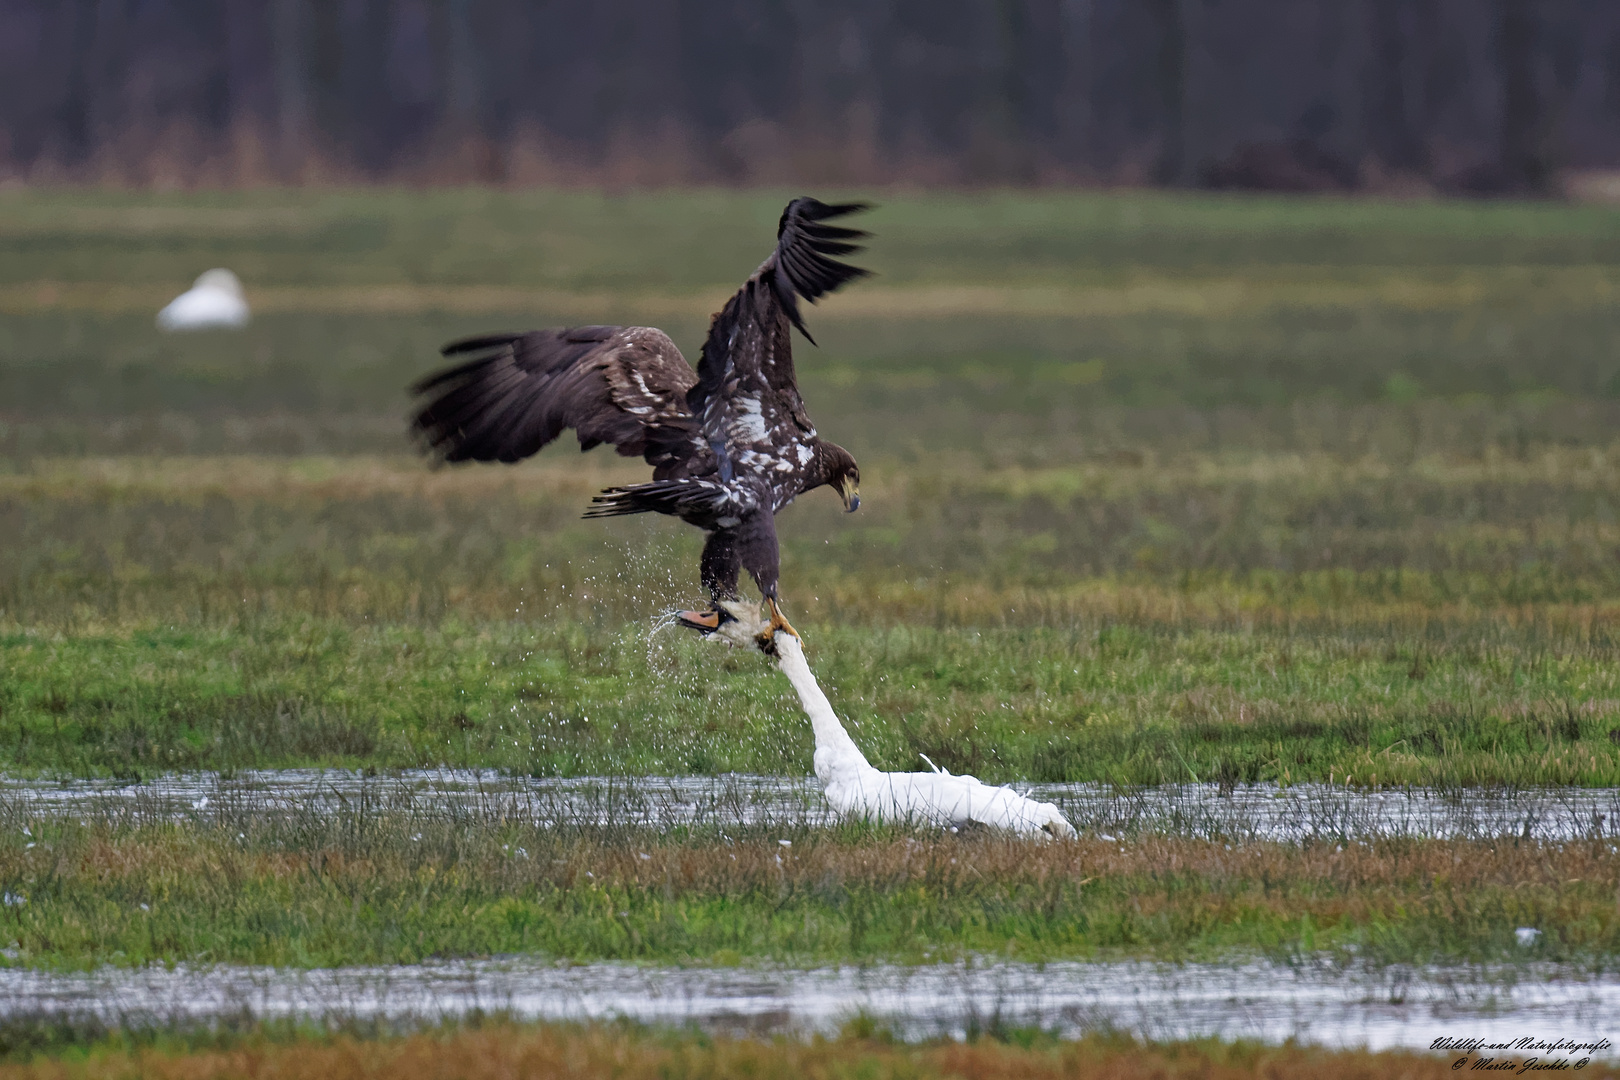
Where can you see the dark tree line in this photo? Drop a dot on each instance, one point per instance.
(1486, 95)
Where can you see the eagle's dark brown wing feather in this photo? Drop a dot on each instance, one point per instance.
(625, 386)
(746, 341)
(805, 245)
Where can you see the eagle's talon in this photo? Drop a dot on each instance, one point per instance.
(766, 640)
(779, 621)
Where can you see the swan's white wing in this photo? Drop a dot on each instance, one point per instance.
(945, 800)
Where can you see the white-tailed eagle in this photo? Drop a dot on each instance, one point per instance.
(730, 443)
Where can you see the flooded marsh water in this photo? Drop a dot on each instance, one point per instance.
(1244, 812)
(1389, 1007)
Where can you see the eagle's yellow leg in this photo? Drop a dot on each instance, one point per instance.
(767, 640)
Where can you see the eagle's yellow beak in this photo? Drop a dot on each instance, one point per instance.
(852, 496)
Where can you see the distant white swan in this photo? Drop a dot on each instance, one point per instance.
(855, 789)
(215, 301)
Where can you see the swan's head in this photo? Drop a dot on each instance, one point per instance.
(1057, 827)
(219, 280)
(744, 628)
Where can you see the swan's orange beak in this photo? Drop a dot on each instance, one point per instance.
(705, 622)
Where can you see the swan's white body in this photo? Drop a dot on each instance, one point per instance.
(214, 302)
(855, 789)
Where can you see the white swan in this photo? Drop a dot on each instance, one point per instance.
(215, 301)
(854, 788)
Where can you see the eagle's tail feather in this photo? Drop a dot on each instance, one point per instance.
(619, 501)
(675, 497)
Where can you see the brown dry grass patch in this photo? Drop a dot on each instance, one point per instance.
(502, 1052)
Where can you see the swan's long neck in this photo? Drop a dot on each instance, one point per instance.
(834, 748)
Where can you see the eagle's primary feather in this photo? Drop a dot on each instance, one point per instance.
(730, 443)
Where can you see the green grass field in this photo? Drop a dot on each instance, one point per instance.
(1156, 489)
(1036, 624)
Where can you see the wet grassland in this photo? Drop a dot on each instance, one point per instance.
(1155, 490)
(380, 884)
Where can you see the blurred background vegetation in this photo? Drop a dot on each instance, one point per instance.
(1301, 95)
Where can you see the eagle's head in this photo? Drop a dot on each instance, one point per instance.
(838, 469)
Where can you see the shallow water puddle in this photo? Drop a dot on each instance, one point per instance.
(1244, 812)
(1386, 1008)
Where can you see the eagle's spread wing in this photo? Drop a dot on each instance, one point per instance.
(624, 385)
(747, 396)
